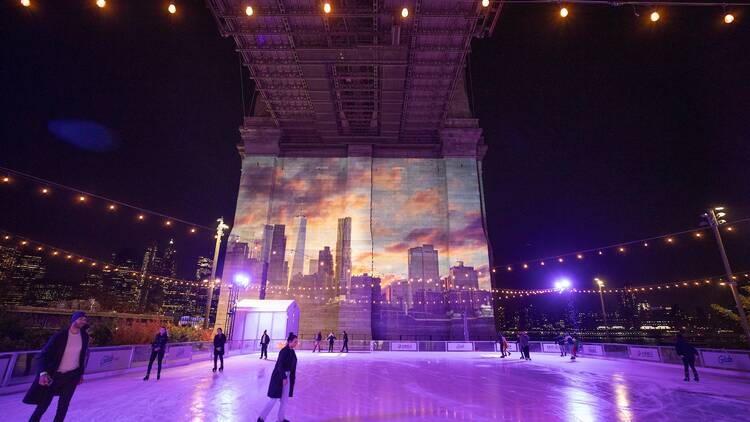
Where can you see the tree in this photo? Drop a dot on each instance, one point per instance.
(744, 295)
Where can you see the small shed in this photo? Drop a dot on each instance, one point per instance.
(278, 317)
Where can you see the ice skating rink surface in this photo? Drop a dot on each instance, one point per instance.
(404, 386)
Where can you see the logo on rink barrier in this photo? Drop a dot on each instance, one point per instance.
(644, 353)
(550, 348)
(460, 347)
(408, 347)
(592, 349)
(726, 360)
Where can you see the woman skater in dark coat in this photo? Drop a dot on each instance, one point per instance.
(158, 348)
(281, 386)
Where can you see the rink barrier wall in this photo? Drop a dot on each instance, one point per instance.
(18, 369)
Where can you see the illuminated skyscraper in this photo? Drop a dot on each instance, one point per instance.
(203, 270)
(343, 272)
(462, 277)
(423, 269)
(298, 263)
(276, 258)
(325, 267)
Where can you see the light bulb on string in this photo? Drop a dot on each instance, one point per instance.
(6, 179)
(654, 16)
(327, 7)
(564, 12)
(101, 3)
(404, 12)
(485, 3)
(172, 9)
(44, 191)
(728, 18)
(25, 3)
(249, 10)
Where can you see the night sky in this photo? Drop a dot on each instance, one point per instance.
(601, 129)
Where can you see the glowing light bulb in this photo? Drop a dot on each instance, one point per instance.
(111, 207)
(45, 191)
(728, 18)
(485, 3)
(654, 16)
(192, 230)
(101, 3)
(249, 10)
(172, 8)
(168, 223)
(564, 12)
(81, 198)
(6, 179)
(327, 7)
(404, 12)
(25, 3)
(141, 216)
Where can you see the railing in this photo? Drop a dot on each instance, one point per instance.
(18, 369)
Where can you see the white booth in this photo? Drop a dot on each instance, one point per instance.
(252, 316)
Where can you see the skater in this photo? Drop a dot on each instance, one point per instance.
(561, 342)
(568, 343)
(219, 340)
(575, 347)
(281, 386)
(264, 340)
(503, 344)
(346, 343)
(523, 342)
(158, 348)
(61, 364)
(688, 354)
(331, 338)
(318, 339)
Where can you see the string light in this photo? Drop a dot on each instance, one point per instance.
(45, 191)
(327, 7)
(670, 240)
(6, 179)
(112, 207)
(485, 3)
(563, 12)
(25, 3)
(404, 12)
(101, 3)
(728, 18)
(172, 8)
(81, 198)
(654, 16)
(141, 216)
(249, 10)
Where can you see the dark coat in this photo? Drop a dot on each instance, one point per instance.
(685, 349)
(346, 338)
(219, 341)
(265, 339)
(49, 360)
(286, 362)
(160, 341)
(331, 338)
(318, 337)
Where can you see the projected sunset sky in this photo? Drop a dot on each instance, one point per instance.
(394, 205)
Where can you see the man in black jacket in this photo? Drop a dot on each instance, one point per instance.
(264, 340)
(61, 365)
(219, 340)
(688, 353)
(158, 348)
(346, 343)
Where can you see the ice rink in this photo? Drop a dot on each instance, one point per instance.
(404, 386)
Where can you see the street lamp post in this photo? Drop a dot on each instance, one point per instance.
(212, 281)
(600, 283)
(714, 218)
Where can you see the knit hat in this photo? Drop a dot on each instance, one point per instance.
(76, 315)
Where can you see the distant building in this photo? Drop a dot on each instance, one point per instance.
(343, 270)
(298, 262)
(277, 258)
(312, 267)
(424, 271)
(325, 267)
(8, 258)
(203, 268)
(462, 277)
(28, 271)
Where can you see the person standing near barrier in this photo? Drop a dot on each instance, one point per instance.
(158, 348)
(219, 340)
(346, 343)
(264, 340)
(688, 353)
(318, 339)
(61, 365)
(331, 339)
(523, 342)
(575, 348)
(560, 340)
(281, 386)
(503, 344)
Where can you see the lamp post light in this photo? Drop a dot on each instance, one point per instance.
(213, 281)
(600, 283)
(715, 217)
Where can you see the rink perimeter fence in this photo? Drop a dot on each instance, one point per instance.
(18, 369)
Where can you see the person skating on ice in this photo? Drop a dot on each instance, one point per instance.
(158, 348)
(523, 342)
(688, 353)
(219, 340)
(318, 339)
(346, 343)
(61, 364)
(331, 338)
(264, 340)
(281, 386)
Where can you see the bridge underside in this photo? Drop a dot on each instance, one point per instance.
(361, 192)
